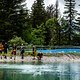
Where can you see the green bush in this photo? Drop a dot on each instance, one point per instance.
(16, 40)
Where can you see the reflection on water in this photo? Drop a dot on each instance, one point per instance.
(40, 71)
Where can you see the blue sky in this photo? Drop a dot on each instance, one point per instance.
(48, 2)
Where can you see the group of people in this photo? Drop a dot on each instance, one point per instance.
(4, 48)
(13, 53)
(39, 55)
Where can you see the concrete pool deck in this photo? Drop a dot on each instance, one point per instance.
(45, 59)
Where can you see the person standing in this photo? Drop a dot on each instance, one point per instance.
(22, 52)
(34, 52)
(14, 51)
(1, 49)
(5, 50)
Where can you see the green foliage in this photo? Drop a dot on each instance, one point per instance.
(38, 13)
(12, 18)
(26, 33)
(70, 17)
(53, 10)
(50, 11)
(16, 40)
(40, 26)
(70, 10)
(38, 35)
(51, 31)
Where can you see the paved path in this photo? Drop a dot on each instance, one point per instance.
(45, 59)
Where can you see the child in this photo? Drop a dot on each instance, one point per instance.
(39, 56)
(13, 54)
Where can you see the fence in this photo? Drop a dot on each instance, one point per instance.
(49, 49)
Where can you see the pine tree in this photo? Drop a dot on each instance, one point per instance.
(53, 12)
(69, 16)
(50, 11)
(38, 13)
(76, 38)
(57, 16)
(56, 13)
(78, 20)
(11, 18)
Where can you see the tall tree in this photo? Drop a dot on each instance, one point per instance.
(70, 16)
(76, 38)
(53, 12)
(57, 16)
(12, 19)
(50, 11)
(56, 13)
(50, 32)
(38, 14)
(38, 35)
(78, 20)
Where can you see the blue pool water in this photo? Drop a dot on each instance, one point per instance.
(59, 51)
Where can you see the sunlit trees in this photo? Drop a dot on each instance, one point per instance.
(38, 35)
(51, 33)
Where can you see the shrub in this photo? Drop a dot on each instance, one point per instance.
(16, 40)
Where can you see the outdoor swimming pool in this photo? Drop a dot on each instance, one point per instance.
(40, 71)
(60, 50)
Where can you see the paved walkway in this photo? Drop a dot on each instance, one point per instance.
(45, 59)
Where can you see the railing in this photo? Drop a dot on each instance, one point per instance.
(39, 48)
(58, 47)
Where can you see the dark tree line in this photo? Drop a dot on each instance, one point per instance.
(42, 25)
(12, 18)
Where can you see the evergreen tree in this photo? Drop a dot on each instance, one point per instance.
(57, 16)
(38, 35)
(76, 38)
(12, 18)
(56, 13)
(50, 11)
(50, 32)
(78, 20)
(26, 33)
(53, 12)
(69, 16)
(64, 35)
(38, 14)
